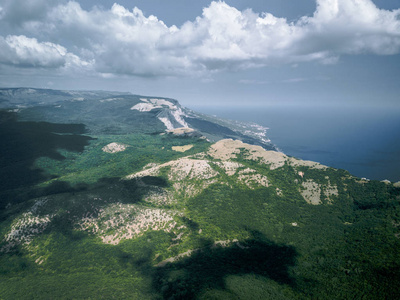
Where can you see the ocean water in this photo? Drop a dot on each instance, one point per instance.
(363, 140)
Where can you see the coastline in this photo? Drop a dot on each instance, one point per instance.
(362, 140)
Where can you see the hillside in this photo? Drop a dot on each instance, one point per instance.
(122, 113)
(134, 197)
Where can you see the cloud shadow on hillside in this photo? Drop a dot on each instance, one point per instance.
(24, 142)
(208, 268)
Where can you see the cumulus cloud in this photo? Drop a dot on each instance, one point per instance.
(18, 12)
(124, 41)
(22, 51)
(351, 27)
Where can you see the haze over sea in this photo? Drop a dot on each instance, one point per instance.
(365, 140)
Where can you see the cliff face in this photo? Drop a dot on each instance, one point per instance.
(118, 113)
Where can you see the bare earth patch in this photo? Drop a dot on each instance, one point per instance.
(180, 131)
(311, 192)
(160, 197)
(182, 148)
(186, 168)
(183, 168)
(126, 221)
(228, 149)
(305, 163)
(189, 177)
(230, 167)
(150, 104)
(24, 229)
(114, 148)
(252, 180)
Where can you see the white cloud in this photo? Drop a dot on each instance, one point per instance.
(18, 12)
(123, 41)
(352, 27)
(22, 51)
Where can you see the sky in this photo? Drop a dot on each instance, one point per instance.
(212, 53)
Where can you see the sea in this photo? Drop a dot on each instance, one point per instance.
(364, 140)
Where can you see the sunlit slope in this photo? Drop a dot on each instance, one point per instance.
(116, 113)
(131, 217)
(111, 195)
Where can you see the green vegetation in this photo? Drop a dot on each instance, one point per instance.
(93, 164)
(71, 232)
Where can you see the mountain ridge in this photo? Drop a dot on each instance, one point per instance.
(111, 203)
(122, 109)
